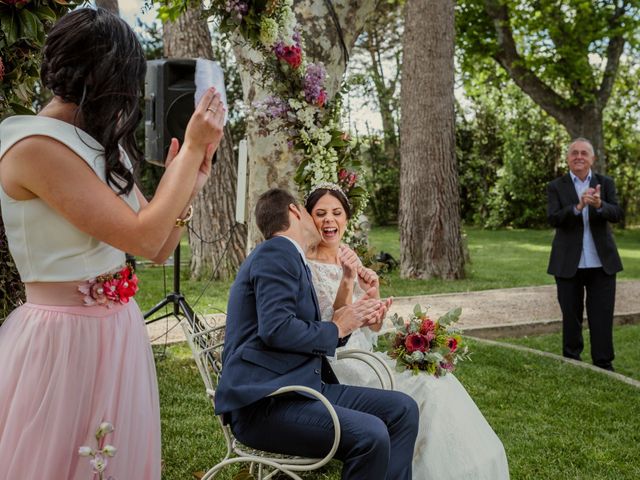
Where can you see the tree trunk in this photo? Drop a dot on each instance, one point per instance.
(430, 237)
(271, 163)
(213, 243)
(589, 124)
(111, 5)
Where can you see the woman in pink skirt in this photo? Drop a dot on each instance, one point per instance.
(76, 355)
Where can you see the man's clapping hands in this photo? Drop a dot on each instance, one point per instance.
(591, 196)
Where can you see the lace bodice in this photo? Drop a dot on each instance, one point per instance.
(326, 280)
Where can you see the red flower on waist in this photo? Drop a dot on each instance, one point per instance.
(110, 289)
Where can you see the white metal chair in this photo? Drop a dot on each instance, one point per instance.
(206, 343)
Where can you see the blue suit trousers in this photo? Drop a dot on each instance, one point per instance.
(378, 429)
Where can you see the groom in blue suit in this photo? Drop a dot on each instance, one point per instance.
(274, 338)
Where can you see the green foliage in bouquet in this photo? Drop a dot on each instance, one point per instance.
(420, 344)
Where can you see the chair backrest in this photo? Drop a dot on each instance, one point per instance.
(206, 342)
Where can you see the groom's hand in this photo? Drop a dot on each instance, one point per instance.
(349, 318)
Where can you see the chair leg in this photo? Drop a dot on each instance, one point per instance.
(260, 462)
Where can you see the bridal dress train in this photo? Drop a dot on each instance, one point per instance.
(455, 442)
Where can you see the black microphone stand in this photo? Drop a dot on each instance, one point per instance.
(180, 306)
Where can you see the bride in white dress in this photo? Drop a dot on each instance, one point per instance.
(454, 439)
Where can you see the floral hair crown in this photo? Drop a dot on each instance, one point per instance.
(327, 186)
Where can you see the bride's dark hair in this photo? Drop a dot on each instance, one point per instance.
(92, 58)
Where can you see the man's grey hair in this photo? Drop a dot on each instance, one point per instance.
(581, 139)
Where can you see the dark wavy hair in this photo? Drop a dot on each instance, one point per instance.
(272, 211)
(321, 192)
(92, 58)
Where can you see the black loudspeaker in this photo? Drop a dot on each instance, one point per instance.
(169, 103)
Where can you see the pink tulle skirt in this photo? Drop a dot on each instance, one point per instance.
(63, 371)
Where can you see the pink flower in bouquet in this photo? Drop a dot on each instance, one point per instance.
(415, 342)
(1, 69)
(452, 343)
(449, 367)
(342, 174)
(292, 54)
(430, 336)
(427, 326)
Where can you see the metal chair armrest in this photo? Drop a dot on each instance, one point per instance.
(332, 414)
(373, 361)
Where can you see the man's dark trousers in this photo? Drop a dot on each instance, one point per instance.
(600, 289)
(378, 429)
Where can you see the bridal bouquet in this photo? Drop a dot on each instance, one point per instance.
(420, 344)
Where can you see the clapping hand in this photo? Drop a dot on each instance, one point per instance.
(592, 197)
(349, 261)
(368, 279)
(383, 308)
(205, 166)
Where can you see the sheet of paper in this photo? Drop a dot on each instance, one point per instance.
(210, 74)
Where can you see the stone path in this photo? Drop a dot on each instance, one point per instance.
(487, 314)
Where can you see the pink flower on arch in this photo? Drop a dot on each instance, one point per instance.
(292, 54)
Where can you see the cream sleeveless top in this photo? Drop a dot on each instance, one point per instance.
(44, 245)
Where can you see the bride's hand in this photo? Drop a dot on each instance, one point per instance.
(375, 322)
(349, 262)
(368, 279)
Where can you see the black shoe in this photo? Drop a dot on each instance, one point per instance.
(606, 367)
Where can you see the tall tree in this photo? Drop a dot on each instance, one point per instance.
(214, 239)
(564, 54)
(430, 234)
(330, 30)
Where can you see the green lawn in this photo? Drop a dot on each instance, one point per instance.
(557, 421)
(499, 259)
(626, 339)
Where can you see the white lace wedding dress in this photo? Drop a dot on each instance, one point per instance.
(455, 442)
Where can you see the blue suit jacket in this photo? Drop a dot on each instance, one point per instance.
(274, 335)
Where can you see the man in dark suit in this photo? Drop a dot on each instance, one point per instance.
(275, 337)
(584, 257)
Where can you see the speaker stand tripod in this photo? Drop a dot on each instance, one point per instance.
(180, 306)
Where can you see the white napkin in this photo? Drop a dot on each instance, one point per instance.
(210, 74)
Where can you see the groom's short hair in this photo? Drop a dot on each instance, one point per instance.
(272, 211)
